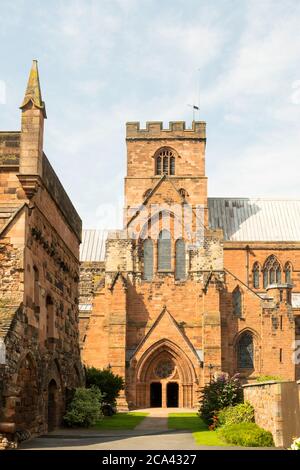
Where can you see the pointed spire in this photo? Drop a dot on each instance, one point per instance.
(33, 90)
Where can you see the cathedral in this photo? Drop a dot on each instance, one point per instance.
(192, 285)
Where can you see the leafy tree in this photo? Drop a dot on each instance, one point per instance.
(109, 383)
(84, 409)
(221, 392)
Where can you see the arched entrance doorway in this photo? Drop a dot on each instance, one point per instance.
(52, 405)
(155, 394)
(165, 377)
(172, 395)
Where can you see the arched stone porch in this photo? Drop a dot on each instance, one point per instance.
(165, 363)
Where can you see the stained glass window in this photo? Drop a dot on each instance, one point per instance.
(245, 351)
(148, 259)
(164, 251)
(272, 271)
(237, 302)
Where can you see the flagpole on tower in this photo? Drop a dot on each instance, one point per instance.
(194, 107)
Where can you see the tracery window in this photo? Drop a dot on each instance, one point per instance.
(255, 275)
(245, 351)
(272, 271)
(165, 162)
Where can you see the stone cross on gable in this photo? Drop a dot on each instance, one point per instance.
(2, 352)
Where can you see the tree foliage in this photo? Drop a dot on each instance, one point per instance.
(109, 383)
(221, 392)
(85, 408)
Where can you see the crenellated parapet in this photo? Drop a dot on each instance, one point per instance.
(176, 130)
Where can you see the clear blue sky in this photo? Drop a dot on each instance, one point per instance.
(105, 62)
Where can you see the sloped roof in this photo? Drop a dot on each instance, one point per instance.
(255, 219)
(92, 247)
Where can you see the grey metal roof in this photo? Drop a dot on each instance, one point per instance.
(255, 219)
(92, 247)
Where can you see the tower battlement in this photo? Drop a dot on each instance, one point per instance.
(176, 130)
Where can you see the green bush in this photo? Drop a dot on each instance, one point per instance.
(85, 408)
(246, 435)
(241, 413)
(268, 378)
(110, 384)
(218, 394)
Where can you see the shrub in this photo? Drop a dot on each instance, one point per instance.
(84, 410)
(219, 393)
(241, 413)
(109, 383)
(268, 378)
(246, 435)
(295, 444)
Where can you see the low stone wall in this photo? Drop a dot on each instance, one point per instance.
(276, 406)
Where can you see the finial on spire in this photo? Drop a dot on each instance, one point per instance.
(33, 90)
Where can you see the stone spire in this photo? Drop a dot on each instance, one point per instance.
(32, 132)
(33, 91)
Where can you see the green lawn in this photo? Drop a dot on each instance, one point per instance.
(192, 422)
(121, 421)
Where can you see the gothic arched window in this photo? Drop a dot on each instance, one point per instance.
(255, 274)
(272, 271)
(288, 273)
(148, 259)
(165, 162)
(245, 351)
(237, 302)
(180, 272)
(164, 251)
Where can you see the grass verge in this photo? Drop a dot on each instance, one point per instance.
(121, 421)
(192, 422)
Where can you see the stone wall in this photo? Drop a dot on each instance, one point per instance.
(276, 406)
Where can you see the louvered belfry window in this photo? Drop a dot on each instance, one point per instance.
(165, 162)
(164, 251)
(245, 351)
(180, 272)
(158, 165)
(148, 259)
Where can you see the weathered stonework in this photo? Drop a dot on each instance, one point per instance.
(276, 406)
(39, 266)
